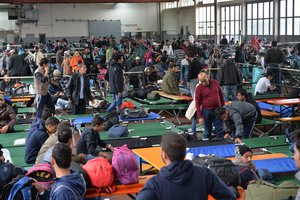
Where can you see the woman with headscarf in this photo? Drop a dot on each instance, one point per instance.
(74, 61)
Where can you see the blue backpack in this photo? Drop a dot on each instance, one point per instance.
(117, 131)
(19, 189)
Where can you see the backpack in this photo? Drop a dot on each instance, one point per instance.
(111, 119)
(262, 190)
(224, 169)
(127, 104)
(125, 165)
(153, 96)
(43, 173)
(19, 189)
(8, 171)
(101, 174)
(133, 113)
(117, 131)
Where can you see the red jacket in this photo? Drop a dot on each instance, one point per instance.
(208, 97)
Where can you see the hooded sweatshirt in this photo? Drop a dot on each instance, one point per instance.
(35, 140)
(68, 187)
(183, 180)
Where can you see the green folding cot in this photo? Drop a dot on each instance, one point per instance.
(265, 122)
(22, 127)
(281, 149)
(263, 142)
(7, 140)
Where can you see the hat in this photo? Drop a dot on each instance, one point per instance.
(204, 71)
(2, 97)
(137, 58)
(56, 73)
(240, 150)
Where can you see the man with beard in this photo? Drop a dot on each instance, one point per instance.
(7, 117)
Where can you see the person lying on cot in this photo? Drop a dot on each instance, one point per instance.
(239, 118)
(90, 143)
(243, 155)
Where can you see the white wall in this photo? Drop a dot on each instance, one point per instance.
(5, 24)
(173, 19)
(133, 16)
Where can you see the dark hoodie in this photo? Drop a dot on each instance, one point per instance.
(35, 139)
(69, 187)
(182, 180)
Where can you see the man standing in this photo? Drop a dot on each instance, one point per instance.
(240, 116)
(180, 178)
(229, 78)
(88, 59)
(78, 90)
(194, 68)
(7, 116)
(37, 56)
(41, 86)
(209, 97)
(59, 58)
(114, 76)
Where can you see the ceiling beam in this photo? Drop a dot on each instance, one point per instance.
(83, 1)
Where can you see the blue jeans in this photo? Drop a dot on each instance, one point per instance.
(194, 123)
(61, 103)
(43, 101)
(229, 92)
(116, 104)
(209, 120)
(184, 73)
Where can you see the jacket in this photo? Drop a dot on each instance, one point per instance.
(68, 187)
(274, 56)
(16, 65)
(74, 63)
(114, 75)
(297, 176)
(170, 83)
(240, 55)
(7, 116)
(73, 88)
(195, 67)
(34, 141)
(41, 82)
(253, 102)
(50, 142)
(89, 142)
(183, 180)
(239, 112)
(229, 74)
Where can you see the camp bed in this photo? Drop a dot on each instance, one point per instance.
(276, 165)
(72, 117)
(160, 101)
(18, 156)
(8, 140)
(219, 150)
(265, 122)
(263, 142)
(26, 110)
(145, 130)
(174, 97)
(278, 107)
(266, 97)
(88, 120)
(282, 149)
(22, 127)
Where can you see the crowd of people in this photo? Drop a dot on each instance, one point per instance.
(205, 71)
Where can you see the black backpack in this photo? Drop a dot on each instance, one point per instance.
(111, 119)
(223, 168)
(7, 172)
(21, 185)
(133, 113)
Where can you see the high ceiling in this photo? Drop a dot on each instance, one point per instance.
(82, 1)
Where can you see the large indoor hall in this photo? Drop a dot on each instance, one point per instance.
(149, 99)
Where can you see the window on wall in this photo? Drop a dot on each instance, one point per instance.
(205, 20)
(259, 19)
(231, 22)
(289, 17)
(183, 3)
(169, 5)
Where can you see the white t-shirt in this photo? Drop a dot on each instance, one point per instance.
(262, 85)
